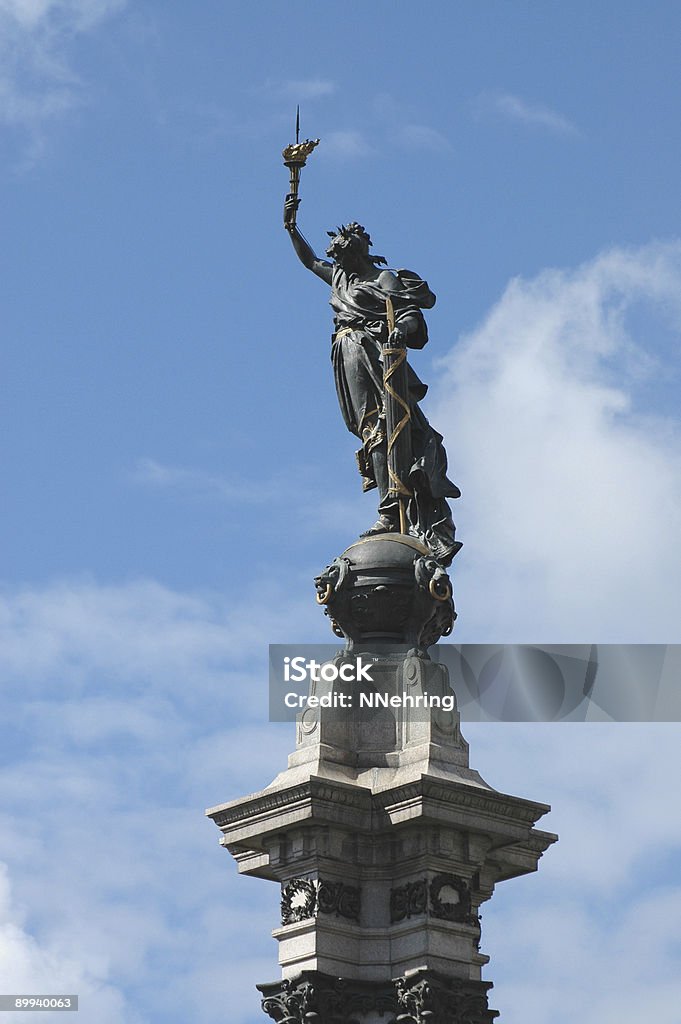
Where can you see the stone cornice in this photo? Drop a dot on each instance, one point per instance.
(311, 795)
(507, 821)
(463, 795)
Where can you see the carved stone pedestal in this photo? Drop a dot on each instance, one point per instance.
(385, 843)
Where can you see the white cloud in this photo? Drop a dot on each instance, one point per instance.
(27, 967)
(79, 633)
(605, 902)
(533, 114)
(308, 88)
(348, 145)
(399, 121)
(124, 709)
(110, 662)
(152, 473)
(327, 514)
(67, 15)
(626, 963)
(420, 136)
(388, 124)
(37, 80)
(572, 489)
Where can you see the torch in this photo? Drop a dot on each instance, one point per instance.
(295, 157)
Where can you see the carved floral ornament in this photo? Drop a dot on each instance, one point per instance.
(302, 899)
(298, 901)
(450, 898)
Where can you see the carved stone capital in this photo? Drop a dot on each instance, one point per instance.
(420, 997)
(425, 997)
(316, 998)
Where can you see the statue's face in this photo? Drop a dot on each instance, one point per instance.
(347, 250)
(337, 248)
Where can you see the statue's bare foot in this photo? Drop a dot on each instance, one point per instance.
(384, 524)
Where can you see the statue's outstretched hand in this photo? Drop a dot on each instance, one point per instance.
(291, 205)
(397, 336)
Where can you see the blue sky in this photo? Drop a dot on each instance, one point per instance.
(176, 470)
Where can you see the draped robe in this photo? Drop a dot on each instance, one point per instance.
(361, 329)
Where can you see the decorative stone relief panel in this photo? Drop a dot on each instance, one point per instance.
(298, 901)
(408, 900)
(302, 899)
(450, 898)
(447, 898)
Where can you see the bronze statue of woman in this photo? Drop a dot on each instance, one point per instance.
(360, 284)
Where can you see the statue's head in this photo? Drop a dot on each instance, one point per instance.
(350, 242)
